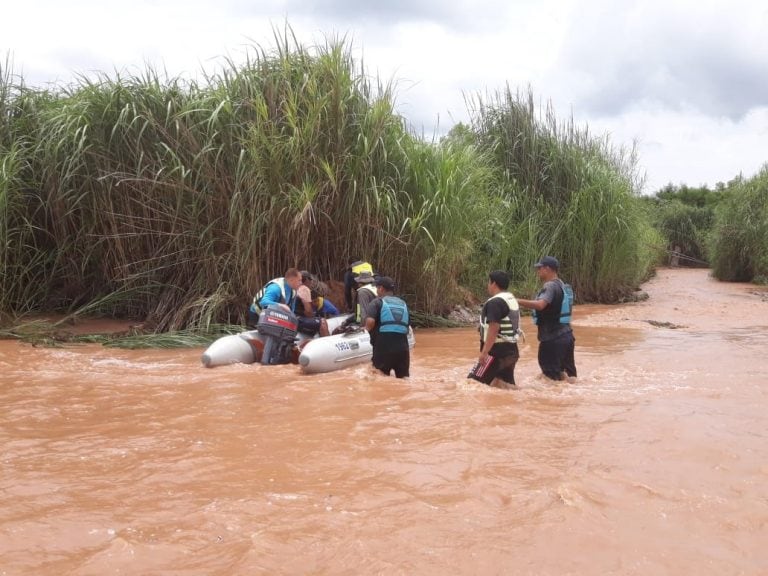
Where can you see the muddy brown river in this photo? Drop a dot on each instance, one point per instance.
(654, 462)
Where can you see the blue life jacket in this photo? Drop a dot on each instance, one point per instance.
(566, 307)
(394, 315)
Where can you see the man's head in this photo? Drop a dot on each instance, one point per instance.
(384, 285)
(498, 281)
(359, 266)
(293, 278)
(547, 267)
(364, 278)
(307, 278)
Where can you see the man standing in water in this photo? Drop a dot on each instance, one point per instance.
(387, 322)
(552, 314)
(499, 329)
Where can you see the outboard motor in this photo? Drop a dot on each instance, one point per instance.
(277, 327)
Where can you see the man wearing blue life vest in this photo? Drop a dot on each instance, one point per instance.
(387, 322)
(499, 330)
(279, 292)
(552, 314)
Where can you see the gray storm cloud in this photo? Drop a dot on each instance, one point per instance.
(714, 66)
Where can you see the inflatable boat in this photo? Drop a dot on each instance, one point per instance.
(336, 352)
(276, 333)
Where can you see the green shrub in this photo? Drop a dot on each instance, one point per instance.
(739, 242)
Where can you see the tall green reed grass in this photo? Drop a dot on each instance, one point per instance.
(173, 201)
(740, 236)
(570, 194)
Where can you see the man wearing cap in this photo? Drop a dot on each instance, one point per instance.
(364, 294)
(387, 321)
(355, 268)
(552, 315)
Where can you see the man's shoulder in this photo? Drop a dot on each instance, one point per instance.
(496, 307)
(375, 302)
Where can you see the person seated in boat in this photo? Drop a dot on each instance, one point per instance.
(280, 292)
(364, 295)
(320, 302)
(310, 323)
(355, 268)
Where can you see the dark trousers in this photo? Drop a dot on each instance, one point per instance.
(400, 362)
(556, 356)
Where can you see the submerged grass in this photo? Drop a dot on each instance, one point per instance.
(49, 333)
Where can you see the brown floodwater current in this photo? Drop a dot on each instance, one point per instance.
(655, 461)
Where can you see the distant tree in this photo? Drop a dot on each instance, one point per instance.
(699, 197)
(685, 215)
(460, 135)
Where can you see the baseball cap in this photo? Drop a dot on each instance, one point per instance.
(385, 282)
(549, 262)
(364, 277)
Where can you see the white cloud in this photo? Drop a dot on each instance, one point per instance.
(686, 79)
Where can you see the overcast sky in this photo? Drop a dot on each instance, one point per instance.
(686, 79)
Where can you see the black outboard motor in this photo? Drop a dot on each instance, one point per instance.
(277, 327)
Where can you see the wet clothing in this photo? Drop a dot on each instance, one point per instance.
(349, 287)
(501, 367)
(556, 356)
(324, 307)
(502, 308)
(400, 362)
(549, 324)
(390, 336)
(321, 308)
(309, 326)
(349, 280)
(365, 295)
(556, 341)
(276, 291)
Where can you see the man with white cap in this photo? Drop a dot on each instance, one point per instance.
(364, 295)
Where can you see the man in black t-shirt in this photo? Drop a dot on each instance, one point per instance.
(499, 329)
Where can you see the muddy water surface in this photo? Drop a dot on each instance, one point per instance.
(654, 462)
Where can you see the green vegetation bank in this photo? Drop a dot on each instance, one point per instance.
(172, 201)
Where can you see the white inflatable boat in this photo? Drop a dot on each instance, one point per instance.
(335, 352)
(247, 347)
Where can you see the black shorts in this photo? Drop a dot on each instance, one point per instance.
(400, 362)
(309, 326)
(556, 356)
(501, 367)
